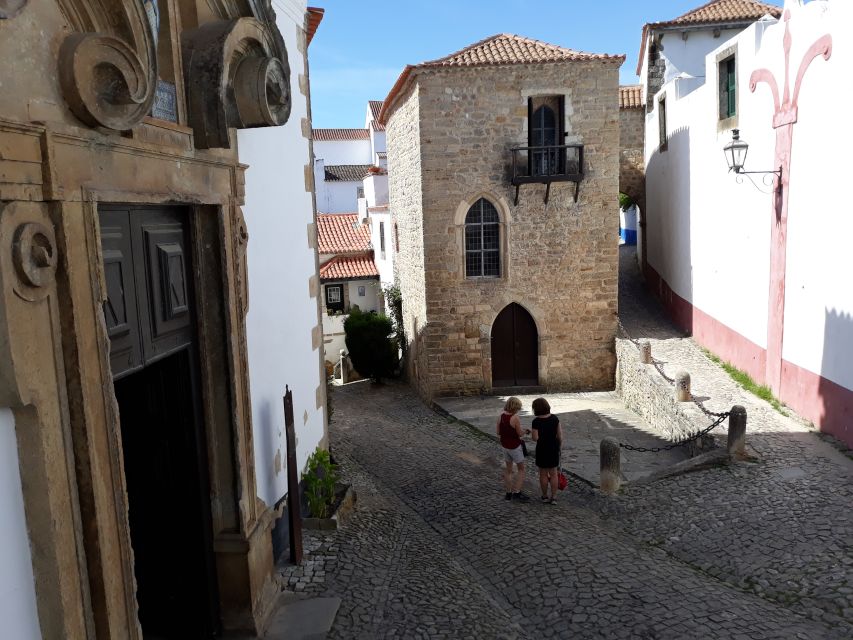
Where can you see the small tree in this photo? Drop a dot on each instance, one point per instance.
(368, 340)
(394, 298)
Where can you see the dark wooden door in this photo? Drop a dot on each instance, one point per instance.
(515, 348)
(150, 321)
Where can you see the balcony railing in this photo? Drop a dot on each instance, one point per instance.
(557, 163)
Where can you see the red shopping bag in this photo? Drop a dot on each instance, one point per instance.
(562, 481)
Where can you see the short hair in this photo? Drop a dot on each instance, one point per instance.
(541, 407)
(513, 405)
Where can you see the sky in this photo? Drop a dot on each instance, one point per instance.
(361, 47)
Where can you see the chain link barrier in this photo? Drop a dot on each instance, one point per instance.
(718, 417)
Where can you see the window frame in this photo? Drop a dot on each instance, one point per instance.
(728, 95)
(482, 251)
(663, 138)
(334, 305)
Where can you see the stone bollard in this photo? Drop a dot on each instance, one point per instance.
(736, 445)
(682, 387)
(645, 352)
(343, 356)
(611, 465)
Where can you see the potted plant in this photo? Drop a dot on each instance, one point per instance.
(328, 500)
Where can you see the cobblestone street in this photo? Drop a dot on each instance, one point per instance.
(753, 550)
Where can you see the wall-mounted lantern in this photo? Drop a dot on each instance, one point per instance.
(735, 152)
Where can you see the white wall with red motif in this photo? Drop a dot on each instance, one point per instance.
(709, 232)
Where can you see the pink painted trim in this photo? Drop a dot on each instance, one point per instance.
(824, 402)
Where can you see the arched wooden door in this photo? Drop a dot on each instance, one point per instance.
(515, 349)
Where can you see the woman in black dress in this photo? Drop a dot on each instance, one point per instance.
(548, 436)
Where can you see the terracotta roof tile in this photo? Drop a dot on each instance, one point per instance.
(341, 233)
(724, 11)
(631, 97)
(346, 172)
(337, 135)
(315, 16)
(742, 12)
(500, 49)
(375, 110)
(349, 268)
(506, 48)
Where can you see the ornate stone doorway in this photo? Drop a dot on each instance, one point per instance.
(150, 317)
(515, 348)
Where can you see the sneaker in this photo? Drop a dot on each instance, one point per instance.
(544, 499)
(552, 501)
(508, 495)
(521, 497)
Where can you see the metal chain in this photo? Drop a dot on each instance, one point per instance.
(679, 443)
(627, 335)
(707, 412)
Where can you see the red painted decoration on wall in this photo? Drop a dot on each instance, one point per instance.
(784, 118)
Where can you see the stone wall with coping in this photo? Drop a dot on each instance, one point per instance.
(559, 261)
(647, 394)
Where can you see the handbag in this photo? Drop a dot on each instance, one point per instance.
(562, 479)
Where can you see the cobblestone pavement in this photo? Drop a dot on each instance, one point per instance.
(760, 549)
(782, 527)
(434, 551)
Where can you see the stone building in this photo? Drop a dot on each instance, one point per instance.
(503, 176)
(128, 494)
(632, 171)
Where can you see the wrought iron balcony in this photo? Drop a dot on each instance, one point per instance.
(544, 165)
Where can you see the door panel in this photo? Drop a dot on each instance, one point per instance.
(526, 348)
(503, 368)
(515, 348)
(120, 311)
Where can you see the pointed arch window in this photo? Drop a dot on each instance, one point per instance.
(482, 241)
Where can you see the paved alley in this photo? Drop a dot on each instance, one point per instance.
(759, 549)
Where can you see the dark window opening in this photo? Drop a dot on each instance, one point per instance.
(335, 297)
(545, 135)
(482, 241)
(728, 88)
(662, 122)
(382, 238)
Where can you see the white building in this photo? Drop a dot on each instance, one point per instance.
(350, 171)
(283, 325)
(755, 269)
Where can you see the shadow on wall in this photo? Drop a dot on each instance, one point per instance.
(836, 400)
(666, 232)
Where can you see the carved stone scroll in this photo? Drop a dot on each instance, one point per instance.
(8, 8)
(108, 68)
(237, 75)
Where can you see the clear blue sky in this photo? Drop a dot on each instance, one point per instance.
(361, 47)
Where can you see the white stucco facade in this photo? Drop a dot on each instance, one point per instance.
(343, 151)
(709, 233)
(17, 589)
(282, 314)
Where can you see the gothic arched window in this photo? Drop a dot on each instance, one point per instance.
(482, 241)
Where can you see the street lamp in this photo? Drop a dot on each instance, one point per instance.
(735, 152)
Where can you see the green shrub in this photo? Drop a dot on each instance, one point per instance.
(394, 299)
(320, 479)
(625, 201)
(368, 340)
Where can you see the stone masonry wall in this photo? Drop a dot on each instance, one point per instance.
(632, 170)
(406, 197)
(559, 260)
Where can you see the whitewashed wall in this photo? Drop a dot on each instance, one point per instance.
(344, 151)
(18, 611)
(281, 316)
(337, 197)
(370, 300)
(708, 236)
(687, 56)
(381, 220)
